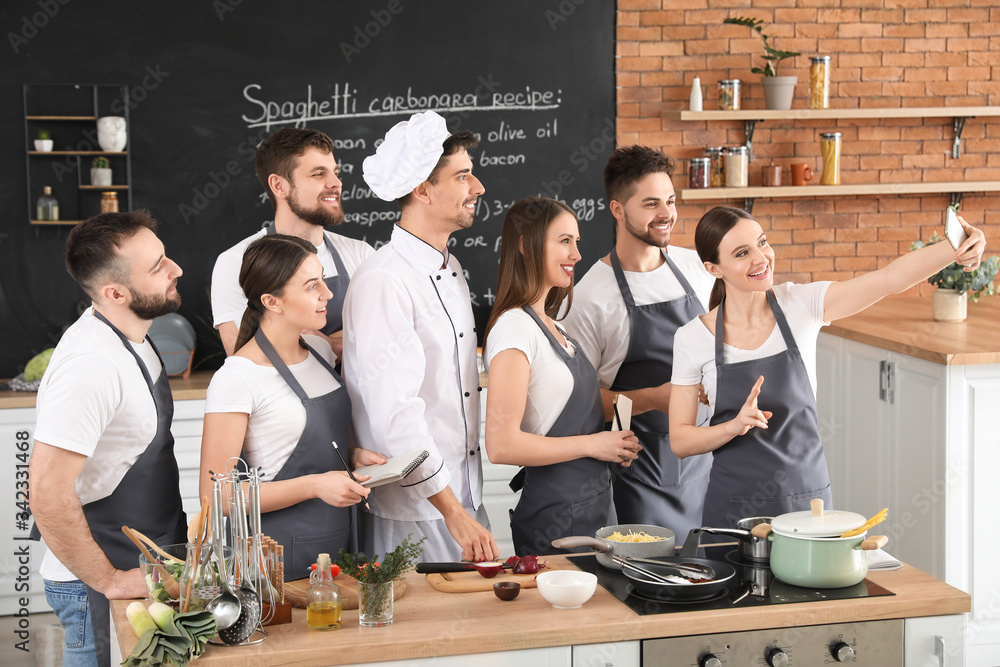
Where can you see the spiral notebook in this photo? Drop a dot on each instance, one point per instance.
(393, 470)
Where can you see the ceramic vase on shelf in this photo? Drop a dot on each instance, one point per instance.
(111, 133)
(779, 91)
(100, 176)
(948, 305)
(43, 145)
(375, 604)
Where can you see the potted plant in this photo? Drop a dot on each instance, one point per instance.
(375, 579)
(43, 143)
(778, 90)
(100, 171)
(955, 285)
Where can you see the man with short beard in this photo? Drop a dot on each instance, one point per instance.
(301, 176)
(103, 454)
(625, 312)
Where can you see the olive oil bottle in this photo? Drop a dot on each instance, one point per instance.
(323, 610)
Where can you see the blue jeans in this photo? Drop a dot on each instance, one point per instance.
(68, 600)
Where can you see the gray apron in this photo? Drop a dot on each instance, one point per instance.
(658, 488)
(312, 527)
(148, 498)
(771, 471)
(573, 497)
(338, 285)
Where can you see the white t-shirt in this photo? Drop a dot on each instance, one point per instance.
(599, 320)
(694, 344)
(277, 416)
(549, 381)
(94, 401)
(228, 301)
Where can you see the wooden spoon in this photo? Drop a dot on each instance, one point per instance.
(196, 535)
(169, 583)
(152, 545)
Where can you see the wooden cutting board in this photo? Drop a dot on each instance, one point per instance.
(295, 591)
(471, 582)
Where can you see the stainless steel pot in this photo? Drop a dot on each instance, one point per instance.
(751, 547)
(606, 548)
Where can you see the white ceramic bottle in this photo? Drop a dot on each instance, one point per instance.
(696, 94)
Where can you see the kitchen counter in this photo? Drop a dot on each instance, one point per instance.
(192, 388)
(905, 325)
(433, 623)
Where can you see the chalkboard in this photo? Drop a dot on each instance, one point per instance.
(208, 80)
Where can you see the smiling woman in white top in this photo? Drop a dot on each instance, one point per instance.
(544, 408)
(755, 354)
(280, 405)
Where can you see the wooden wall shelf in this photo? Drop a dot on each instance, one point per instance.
(849, 189)
(825, 114)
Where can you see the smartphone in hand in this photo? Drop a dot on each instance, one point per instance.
(953, 230)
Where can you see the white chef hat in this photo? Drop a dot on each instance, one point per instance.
(407, 157)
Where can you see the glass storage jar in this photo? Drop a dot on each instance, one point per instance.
(729, 95)
(829, 149)
(819, 82)
(717, 167)
(109, 202)
(698, 172)
(737, 167)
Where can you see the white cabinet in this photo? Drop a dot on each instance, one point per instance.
(922, 439)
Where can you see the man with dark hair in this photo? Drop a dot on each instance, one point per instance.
(410, 348)
(103, 454)
(625, 312)
(300, 174)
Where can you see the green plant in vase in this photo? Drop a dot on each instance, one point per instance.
(43, 141)
(375, 578)
(100, 163)
(100, 171)
(778, 90)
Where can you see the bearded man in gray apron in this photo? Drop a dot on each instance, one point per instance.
(302, 179)
(103, 454)
(626, 310)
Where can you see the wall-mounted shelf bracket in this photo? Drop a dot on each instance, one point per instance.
(748, 127)
(956, 144)
(748, 204)
(956, 199)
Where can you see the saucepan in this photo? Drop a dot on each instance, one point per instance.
(683, 589)
(807, 549)
(752, 548)
(607, 549)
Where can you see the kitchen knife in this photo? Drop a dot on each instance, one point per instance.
(438, 568)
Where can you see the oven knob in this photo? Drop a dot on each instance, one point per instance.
(776, 657)
(842, 652)
(709, 660)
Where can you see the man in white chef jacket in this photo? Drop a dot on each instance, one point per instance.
(410, 348)
(297, 168)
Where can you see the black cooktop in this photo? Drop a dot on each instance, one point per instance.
(753, 586)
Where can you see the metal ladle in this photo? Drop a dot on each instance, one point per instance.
(225, 608)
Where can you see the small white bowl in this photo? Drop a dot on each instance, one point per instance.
(566, 589)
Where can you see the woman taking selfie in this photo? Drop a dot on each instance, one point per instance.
(755, 354)
(544, 409)
(280, 405)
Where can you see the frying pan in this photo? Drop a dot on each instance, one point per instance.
(691, 591)
(606, 549)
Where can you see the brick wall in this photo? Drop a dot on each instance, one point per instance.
(885, 53)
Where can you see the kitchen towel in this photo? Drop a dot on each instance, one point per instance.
(880, 560)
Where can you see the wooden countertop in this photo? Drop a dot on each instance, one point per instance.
(183, 390)
(905, 325)
(430, 623)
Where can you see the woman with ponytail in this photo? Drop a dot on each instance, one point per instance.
(544, 408)
(755, 354)
(279, 404)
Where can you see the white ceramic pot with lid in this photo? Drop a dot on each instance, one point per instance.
(807, 548)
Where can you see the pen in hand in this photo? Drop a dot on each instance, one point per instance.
(348, 469)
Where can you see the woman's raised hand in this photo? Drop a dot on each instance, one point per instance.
(970, 253)
(750, 416)
(615, 447)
